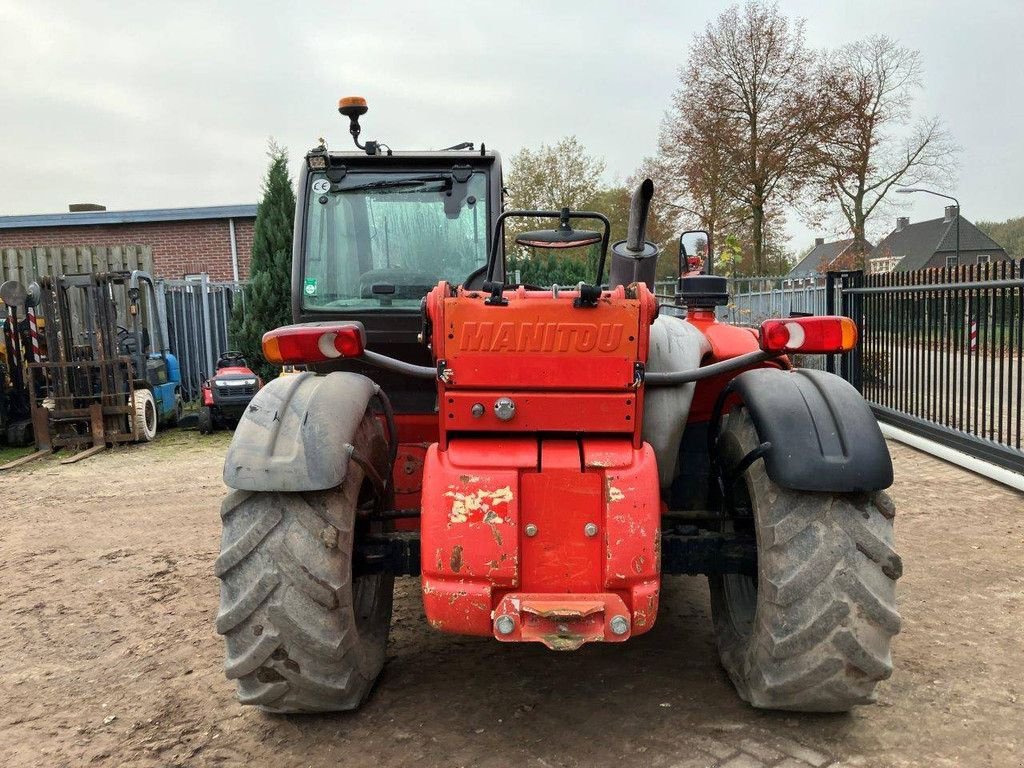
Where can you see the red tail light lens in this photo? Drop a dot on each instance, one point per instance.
(809, 335)
(313, 343)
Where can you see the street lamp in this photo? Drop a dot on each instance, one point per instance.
(908, 190)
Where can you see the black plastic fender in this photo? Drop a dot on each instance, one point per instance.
(296, 434)
(823, 435)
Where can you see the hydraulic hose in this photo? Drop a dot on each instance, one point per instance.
(676, 378)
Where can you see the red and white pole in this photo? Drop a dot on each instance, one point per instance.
(974, 334)
(33, 332)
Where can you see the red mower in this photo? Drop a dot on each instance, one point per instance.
(227, 393)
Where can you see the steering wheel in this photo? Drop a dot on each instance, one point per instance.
(476, 274)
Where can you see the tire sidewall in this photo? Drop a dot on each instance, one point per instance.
(733, 646)
(145, 415)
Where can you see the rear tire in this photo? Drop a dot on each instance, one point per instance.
(205, 420)
(145, 416)
(302, 634)
(812, 632)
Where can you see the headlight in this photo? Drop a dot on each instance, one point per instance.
(237, 383)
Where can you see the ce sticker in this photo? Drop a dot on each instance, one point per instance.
(321, 186)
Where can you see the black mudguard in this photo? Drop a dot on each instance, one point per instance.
(296, 434)
(823, 435)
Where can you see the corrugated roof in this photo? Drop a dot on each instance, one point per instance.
(917, 243)
(820, 258)
(85, 218)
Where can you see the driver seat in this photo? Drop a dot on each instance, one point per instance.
(231, 360)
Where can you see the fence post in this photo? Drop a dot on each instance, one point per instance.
(161, 314)
(854, 309)
(205, 292)
(830, 309)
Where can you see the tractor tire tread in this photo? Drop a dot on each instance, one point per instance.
(243, 546)
(826, 603)
(294, 641)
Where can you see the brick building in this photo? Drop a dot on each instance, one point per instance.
(216, 239)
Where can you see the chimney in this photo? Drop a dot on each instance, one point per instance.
(950, 213)
(902, 223)
(82, 207)
(819, 241)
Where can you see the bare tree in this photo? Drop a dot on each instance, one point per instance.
(870, 141)
(693, 170)
(751, 70)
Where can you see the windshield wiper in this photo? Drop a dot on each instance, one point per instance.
(407, 181)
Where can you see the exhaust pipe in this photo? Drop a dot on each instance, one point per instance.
(635, 259)
(639, 207)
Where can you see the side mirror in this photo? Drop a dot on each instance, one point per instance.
(35, 294)
(695, 256)
(13, 293)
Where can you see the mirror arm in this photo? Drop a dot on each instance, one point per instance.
(499, 233)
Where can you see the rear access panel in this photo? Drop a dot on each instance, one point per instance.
(554, 541)
(469, 523)
(563, 554)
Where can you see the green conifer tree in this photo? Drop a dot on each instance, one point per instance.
(268, 294)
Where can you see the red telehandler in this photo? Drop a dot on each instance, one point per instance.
(538, 455)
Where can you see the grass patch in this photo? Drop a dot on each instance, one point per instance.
(10, 453)
(177, 441)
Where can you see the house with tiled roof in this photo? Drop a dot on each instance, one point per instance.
(839, 254)
(932, 243)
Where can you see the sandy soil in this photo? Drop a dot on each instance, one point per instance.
(107, 600)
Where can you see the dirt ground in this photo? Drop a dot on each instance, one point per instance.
(107, 602)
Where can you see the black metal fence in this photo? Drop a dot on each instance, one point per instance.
(941, 353)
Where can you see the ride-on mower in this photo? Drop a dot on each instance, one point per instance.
(539, 456)
(227, 393)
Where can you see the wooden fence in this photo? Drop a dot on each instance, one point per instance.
(28, 264)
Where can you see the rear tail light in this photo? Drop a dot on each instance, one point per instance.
(809, 335)
(313, 343)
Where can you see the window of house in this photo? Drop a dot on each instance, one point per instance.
(882, 264)
(951, 261)
(984, 258)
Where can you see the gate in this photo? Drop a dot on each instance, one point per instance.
(198, 315)
(941, 353)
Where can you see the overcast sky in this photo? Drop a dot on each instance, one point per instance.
(145, 105)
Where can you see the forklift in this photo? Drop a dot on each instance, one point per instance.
(16, 350)
(104, 382)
